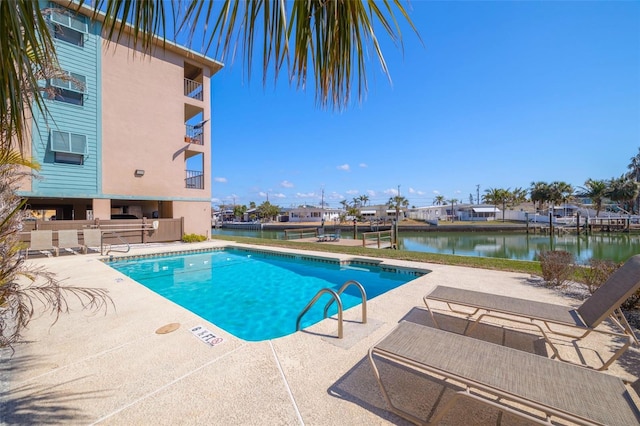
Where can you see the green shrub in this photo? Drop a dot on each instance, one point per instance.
(193, 238)
(557, 267)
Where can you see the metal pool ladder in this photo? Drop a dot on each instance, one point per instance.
(335, 296)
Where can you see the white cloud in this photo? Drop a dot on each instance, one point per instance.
(334, 196)
(305, 194)
(344, 167)
(363, 165)
(392, 192)
(286, 184)
(220, 179)
(279, 195)
(435, 191)
(415, 191)
(352, 191)
(215, 200)
(371, 193)
(262, 194)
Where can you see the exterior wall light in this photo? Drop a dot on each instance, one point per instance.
(138, 173)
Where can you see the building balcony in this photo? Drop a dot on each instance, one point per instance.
(193, 89)
(194, 179)
(194, 134)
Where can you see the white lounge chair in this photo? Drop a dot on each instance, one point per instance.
(68, 240)
(42, 241)
(92, 239)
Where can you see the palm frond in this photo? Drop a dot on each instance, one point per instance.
(25, 48)
(329, 38)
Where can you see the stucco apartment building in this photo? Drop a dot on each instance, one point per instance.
(130, 135)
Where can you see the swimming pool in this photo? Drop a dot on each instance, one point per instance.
(254, 294)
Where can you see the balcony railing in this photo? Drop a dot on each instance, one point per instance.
(194, 134)
(193, 89)
(194, 179)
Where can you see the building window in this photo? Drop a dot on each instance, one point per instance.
(69, 28)
(68, 148)
(66, 158)
(71, 89)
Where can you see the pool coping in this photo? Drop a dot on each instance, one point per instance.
(343, 260)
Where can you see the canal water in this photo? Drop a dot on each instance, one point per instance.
(521, 246)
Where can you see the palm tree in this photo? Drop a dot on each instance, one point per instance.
(268, 211)
(438, 200)
(518, 196)
(497, 196)
(560, 192)
(22, 285)
(540, 193)
(453, 201)
(345, 204)
(623, 191)
(596, 190)
(397, 202)
(364, 199)
(239, 211)
(634, 173)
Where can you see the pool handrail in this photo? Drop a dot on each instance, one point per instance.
(363, 294)
(314, 300)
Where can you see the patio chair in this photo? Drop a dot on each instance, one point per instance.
(68, 240)
(92, 239)
(42, 241)
(336, 235)
(604, 303)
(504, 378)
(321, 235)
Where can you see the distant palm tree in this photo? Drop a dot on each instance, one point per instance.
(345, 204)
(560, 192)
(540, 193)
(497, 196)
(519, 196)
(623, 191)
(596, 190)
(634, 173)
(439, 200)
(364, 199)
(453, 201)
(397, 202)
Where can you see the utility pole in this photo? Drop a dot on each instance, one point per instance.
(478, 193)
(322, 207)
(395, 228)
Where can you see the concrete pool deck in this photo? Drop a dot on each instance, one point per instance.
(115, 369)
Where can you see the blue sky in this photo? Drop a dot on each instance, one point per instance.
(499, 95)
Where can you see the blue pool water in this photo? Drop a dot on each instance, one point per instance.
(256, 295)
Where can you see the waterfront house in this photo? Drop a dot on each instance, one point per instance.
(313, 214)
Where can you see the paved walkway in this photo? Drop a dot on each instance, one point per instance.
(115, 369)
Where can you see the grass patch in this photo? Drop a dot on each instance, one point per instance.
(527, 267)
